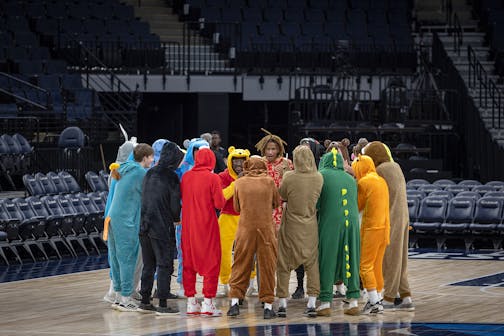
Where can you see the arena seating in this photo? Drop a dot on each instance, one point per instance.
(295, 32)
(469, 211)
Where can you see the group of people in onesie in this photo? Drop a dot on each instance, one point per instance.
(342, 223)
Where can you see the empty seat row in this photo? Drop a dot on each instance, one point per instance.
(445, 183)
(97, 182)
(455, 190)
(16, 153)
(52, 220)
(51, 183)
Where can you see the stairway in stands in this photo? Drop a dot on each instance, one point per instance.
(196, 54)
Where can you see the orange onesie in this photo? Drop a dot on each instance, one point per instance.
(373, 201)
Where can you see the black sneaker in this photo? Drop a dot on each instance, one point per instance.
(166, 311)
(146, 308)
(310, 312)
(298, 294)
(171, 296)
(269, 314)
(282, 312)
(234, 310)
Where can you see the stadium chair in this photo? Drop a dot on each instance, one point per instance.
(456, 189)
(459, 216)
(471, 194)
(413, 193)
(55, 210)
(59, 183)
(415, 183)
(443, 183)
(497, 184)
(69, 180)
(79, 218)
(470, 183)
(46, 183)
(95, 182)
(487, 216)
(431, 214)
(484, 189)
(32, 185)
(441, 194)
(428, 188)
(37, 236)
(10, 225)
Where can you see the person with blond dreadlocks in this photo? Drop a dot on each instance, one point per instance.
(272, 150)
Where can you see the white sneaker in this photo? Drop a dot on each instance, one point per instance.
(110, 297)
(127, 304)
(370, 309)
(223, 290)
(210, 310)
(193, 308)
(251, 291)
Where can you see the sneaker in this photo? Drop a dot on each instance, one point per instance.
(127, 305)
(223, 291)
(310, 312)
(193, 308)
(110, 297)
(354, 311)
(146, 308)
(234, 310)
(388, 306)
(338, 295)
(298, 294)
(210, 310)
(136, 296)
(171, 296)
(162, 311)
(269, 314)
(405, 307)
(370, 309)
(251, 291)
(282, 312)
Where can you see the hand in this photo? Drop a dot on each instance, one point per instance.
(176, 223)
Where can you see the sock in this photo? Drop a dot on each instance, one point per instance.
(208, 301)
(235, 301)
(251, 284)
(312, 300)
(380, 295)
(324, 305)
(282, 302)
(162, 302)
(268, 306)
(341, 289)
(373, 296)
(111, 288)
(407, 300)
(353, 303)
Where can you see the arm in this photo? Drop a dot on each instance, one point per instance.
(283, 187)
(217, 196)
(361, 195)
(236, 201)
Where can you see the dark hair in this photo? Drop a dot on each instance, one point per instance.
(142, 150)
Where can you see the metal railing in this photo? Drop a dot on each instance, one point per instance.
(22, 85)
(490, 97)
(483, 158)
(457, 32)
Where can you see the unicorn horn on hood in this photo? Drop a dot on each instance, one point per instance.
(125, 135)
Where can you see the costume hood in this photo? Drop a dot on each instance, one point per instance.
(332, 160)
(124, 151)
(158, 146)
(304, 161)
(233, 154)
(194, 143)
(378, 152)
(255, 167)
(170, 156)
(205, 160)
(362, 166)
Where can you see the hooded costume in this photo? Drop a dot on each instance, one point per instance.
(157, 146)
(160, 209)
(201, 195)
(373, 201)
(186, 165)
(124, 214)
(298, 234)
(228, 219)
(255, 197)
(395, 261)
(338, 224)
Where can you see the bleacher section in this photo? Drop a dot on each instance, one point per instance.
(467, 211)
(308, 33)
(491, 13)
